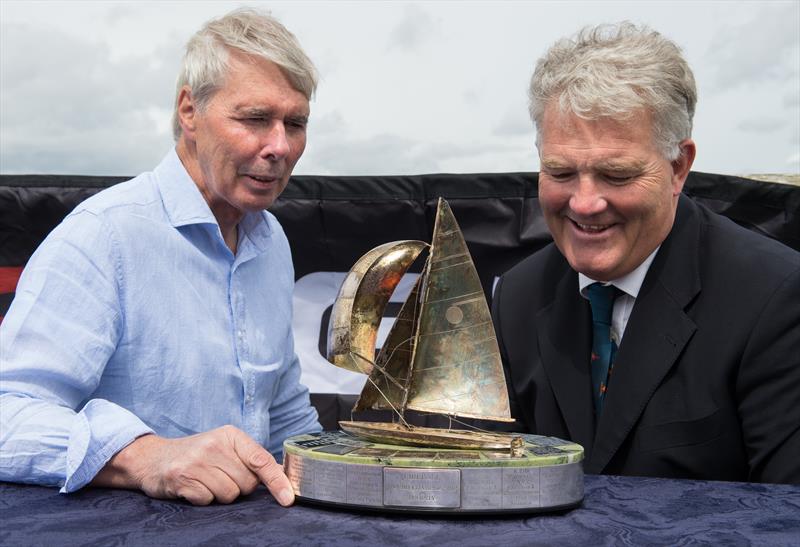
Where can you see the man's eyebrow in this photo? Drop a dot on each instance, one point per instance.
(253, 111)
(611, 165)
(553, 163)
(257, 112)
(621, 166)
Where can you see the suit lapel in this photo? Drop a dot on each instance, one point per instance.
(563, 334)
(657, 332)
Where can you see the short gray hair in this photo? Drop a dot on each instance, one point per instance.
(248, 30)
(615, 71)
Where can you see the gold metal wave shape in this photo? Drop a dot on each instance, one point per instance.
(362, 299)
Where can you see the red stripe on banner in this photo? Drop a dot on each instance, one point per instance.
(9, 275)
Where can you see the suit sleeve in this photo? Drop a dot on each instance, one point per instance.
(768, 388)
(519, 425)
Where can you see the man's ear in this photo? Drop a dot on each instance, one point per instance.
(682, 165)
(187, 111)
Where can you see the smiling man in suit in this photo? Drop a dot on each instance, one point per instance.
(662, 337)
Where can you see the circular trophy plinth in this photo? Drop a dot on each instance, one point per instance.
(335, 468)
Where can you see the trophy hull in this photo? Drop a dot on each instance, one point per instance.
(395, 434)
(334, 468)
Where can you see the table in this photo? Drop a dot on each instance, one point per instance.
(616, 511)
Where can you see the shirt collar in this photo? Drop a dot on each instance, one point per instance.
(185, 205)
(256, 228)
(629, 283)
(182, 199)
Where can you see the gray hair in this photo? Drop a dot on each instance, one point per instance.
(615, 71)
(248, 30)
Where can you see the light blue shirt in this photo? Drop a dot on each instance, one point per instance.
(133, 317)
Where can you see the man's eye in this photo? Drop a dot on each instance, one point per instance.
(618, 179)
(296, 124)
(560, 176)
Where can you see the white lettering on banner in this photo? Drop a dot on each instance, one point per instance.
(314, 294)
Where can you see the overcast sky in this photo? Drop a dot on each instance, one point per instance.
(406, 87)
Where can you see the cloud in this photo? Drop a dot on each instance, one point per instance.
(82, 92)
(377, 155)
(329, 123)
(68, 108)
(514, 123)
(118, 12)
(792, 98)
(771, 48)
(471, 97)
(415, 28)
(762, 125)
(390, 154)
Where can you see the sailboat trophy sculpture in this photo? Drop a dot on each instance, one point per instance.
(440, 357)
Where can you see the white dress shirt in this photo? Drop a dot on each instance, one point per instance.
(629, 285)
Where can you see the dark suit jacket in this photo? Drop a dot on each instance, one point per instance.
(706, 381)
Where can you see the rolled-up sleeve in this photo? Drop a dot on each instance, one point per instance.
(55, 341)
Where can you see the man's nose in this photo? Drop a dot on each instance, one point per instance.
(587, 198)
(275, 145)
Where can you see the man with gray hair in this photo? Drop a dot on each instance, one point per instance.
(660, 336)
(150, 345)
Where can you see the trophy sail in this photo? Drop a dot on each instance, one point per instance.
(456, 367)
(388, 382)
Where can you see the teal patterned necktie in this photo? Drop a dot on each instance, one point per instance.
(601, 298)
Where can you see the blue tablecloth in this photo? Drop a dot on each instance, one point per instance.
(616, 511)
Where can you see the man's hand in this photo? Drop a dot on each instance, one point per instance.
(221, 465)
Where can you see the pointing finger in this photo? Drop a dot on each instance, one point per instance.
(270, 472)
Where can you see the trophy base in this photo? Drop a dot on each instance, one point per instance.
(334, 468)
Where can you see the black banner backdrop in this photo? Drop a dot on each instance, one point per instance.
(331, 221)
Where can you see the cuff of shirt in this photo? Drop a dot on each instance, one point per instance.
(99, 431)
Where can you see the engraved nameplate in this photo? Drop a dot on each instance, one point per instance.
(520, 487)
(330, 481)
(482, 488)
(412, 487)
(300, 476)
(561, 484)
(365, 485)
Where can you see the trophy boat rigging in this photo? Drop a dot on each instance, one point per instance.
(441, 354)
